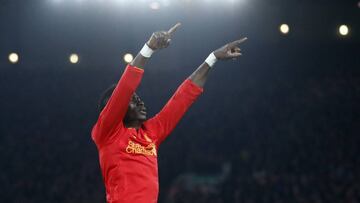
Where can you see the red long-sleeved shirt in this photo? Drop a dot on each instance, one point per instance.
(128, 157)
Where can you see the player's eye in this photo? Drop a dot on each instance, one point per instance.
(136, 100)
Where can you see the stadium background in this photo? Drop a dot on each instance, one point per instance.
(281, 124)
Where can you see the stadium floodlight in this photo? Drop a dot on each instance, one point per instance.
(13, 58)
(155, 5)
(74, 58)
(343, 30)
(128, 58)
(284, 29)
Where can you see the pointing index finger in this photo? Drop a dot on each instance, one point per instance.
(237, 42)
(241, 40)
(173, 29)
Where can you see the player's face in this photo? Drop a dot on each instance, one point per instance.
(136, 110)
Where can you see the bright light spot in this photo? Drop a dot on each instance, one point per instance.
(343, 30)
(13, 58)
(128, 58)
(358, 4)
(155, 5)
(284, 28)
(74, 58)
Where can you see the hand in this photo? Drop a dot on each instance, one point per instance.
(162, 39)
(229, 51)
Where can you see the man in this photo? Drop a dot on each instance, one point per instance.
(127, 142)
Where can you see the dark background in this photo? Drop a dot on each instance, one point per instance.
(284, 118)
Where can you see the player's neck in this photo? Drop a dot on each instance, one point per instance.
(133, 124)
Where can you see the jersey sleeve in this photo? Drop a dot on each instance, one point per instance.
(111, 117)
(165, 121)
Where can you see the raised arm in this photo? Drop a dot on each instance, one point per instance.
(116, 107)
(226, 52)
(165, 121)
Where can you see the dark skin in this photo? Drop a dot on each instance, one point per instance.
(136, 113)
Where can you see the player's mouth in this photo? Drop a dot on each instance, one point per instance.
(143, 111)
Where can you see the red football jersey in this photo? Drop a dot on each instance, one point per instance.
(128, 157)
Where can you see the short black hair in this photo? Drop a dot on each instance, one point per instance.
(105, 96)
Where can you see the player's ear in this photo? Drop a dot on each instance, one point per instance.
(105, 96)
